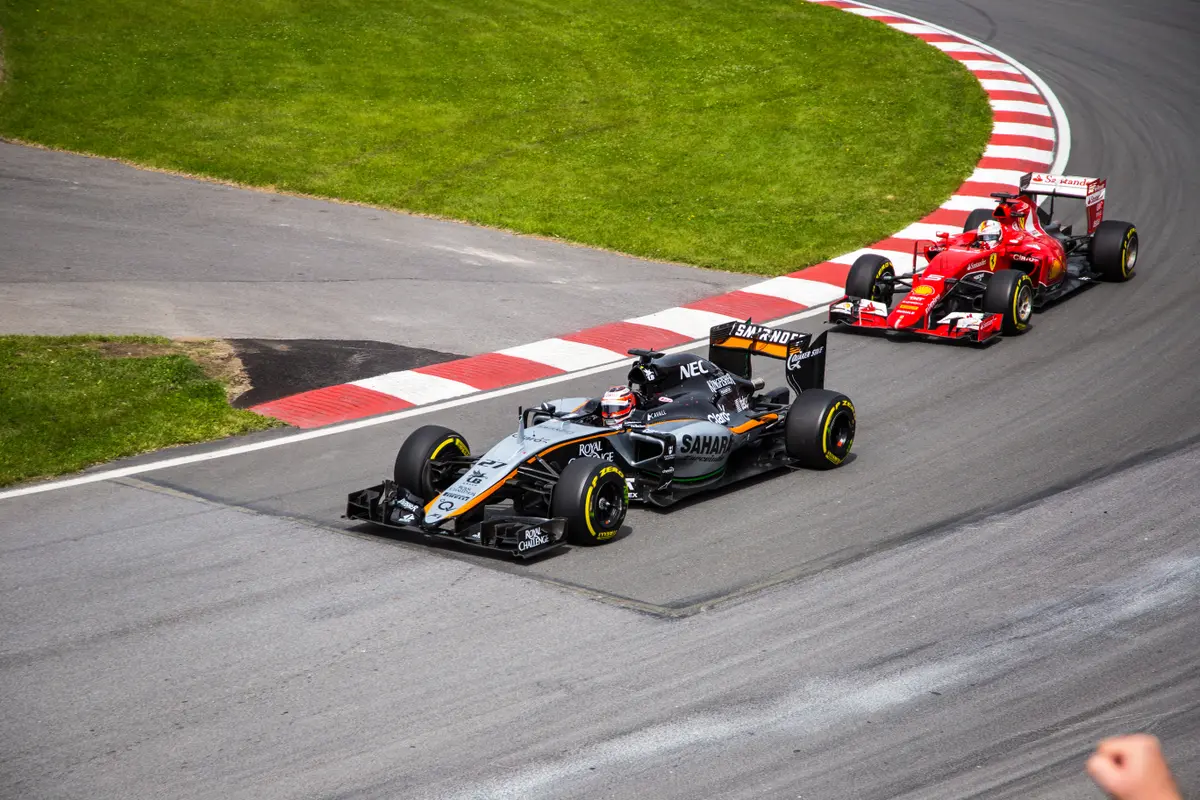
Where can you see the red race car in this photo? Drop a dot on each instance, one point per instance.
(989, 279)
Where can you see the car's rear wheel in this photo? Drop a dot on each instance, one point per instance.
(1010, 293)
(423, 465)
(1114, 250)
(592, 496)
(977, 218)
(819, 431)
(870, 278)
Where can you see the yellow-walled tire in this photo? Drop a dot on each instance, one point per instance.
(592, 496)
(1010, 293)
(1114, 250)
(819, 430)
(870, 278)
(417, 467)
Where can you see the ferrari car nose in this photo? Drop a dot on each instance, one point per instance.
(904, 317)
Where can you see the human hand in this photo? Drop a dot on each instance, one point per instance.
(1132, 768)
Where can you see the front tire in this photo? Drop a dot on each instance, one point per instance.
(417, 466)
(870, 278)
(1114, 250)
(592, 496)
(820, 429)
(1010, 293)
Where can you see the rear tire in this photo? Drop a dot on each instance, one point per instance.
(592, 496)
(416, 464)
(1010, 293)
(820, 429)
(977, 218)
(1114, 250)
(871, 278)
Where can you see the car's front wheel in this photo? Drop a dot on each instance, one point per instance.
(592, 496)
(1010, 294)
(423, 465)
(870, 278)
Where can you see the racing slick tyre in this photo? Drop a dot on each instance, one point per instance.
(1010, 293)
(1114, 250)
(420, 466)
(592, 496)
(819, 431)
(870, 278)
(977, 218)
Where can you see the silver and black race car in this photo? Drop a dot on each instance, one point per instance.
(566, 476)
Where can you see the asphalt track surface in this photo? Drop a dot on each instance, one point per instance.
(1008, 570)
(94, 245)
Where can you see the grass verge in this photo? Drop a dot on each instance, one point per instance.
(67, 402)
(752, 135)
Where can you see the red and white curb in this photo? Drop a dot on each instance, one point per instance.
(1029, 134)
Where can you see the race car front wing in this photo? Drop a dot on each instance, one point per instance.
(521, 537)
(873, 315)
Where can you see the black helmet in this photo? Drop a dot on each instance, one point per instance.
(644, 381)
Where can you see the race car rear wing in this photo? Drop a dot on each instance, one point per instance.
(731, 344)
(1090, 190)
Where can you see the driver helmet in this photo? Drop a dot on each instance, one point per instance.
(616, 405)
(643, 380)
(988, 233)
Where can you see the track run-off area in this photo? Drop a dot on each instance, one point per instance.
(1007, 570)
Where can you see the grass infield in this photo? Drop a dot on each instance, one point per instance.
(760, 136)
(67, 402)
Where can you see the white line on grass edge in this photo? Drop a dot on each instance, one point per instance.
(1062, 153)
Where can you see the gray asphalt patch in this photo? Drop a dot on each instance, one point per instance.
(160, 645)
(281, 367)
(92, 246)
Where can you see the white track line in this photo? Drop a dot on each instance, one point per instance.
(684, 321)
(1024, 129)
(798, 290)
(415, 387)
(1057, 168)
(562, 354)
